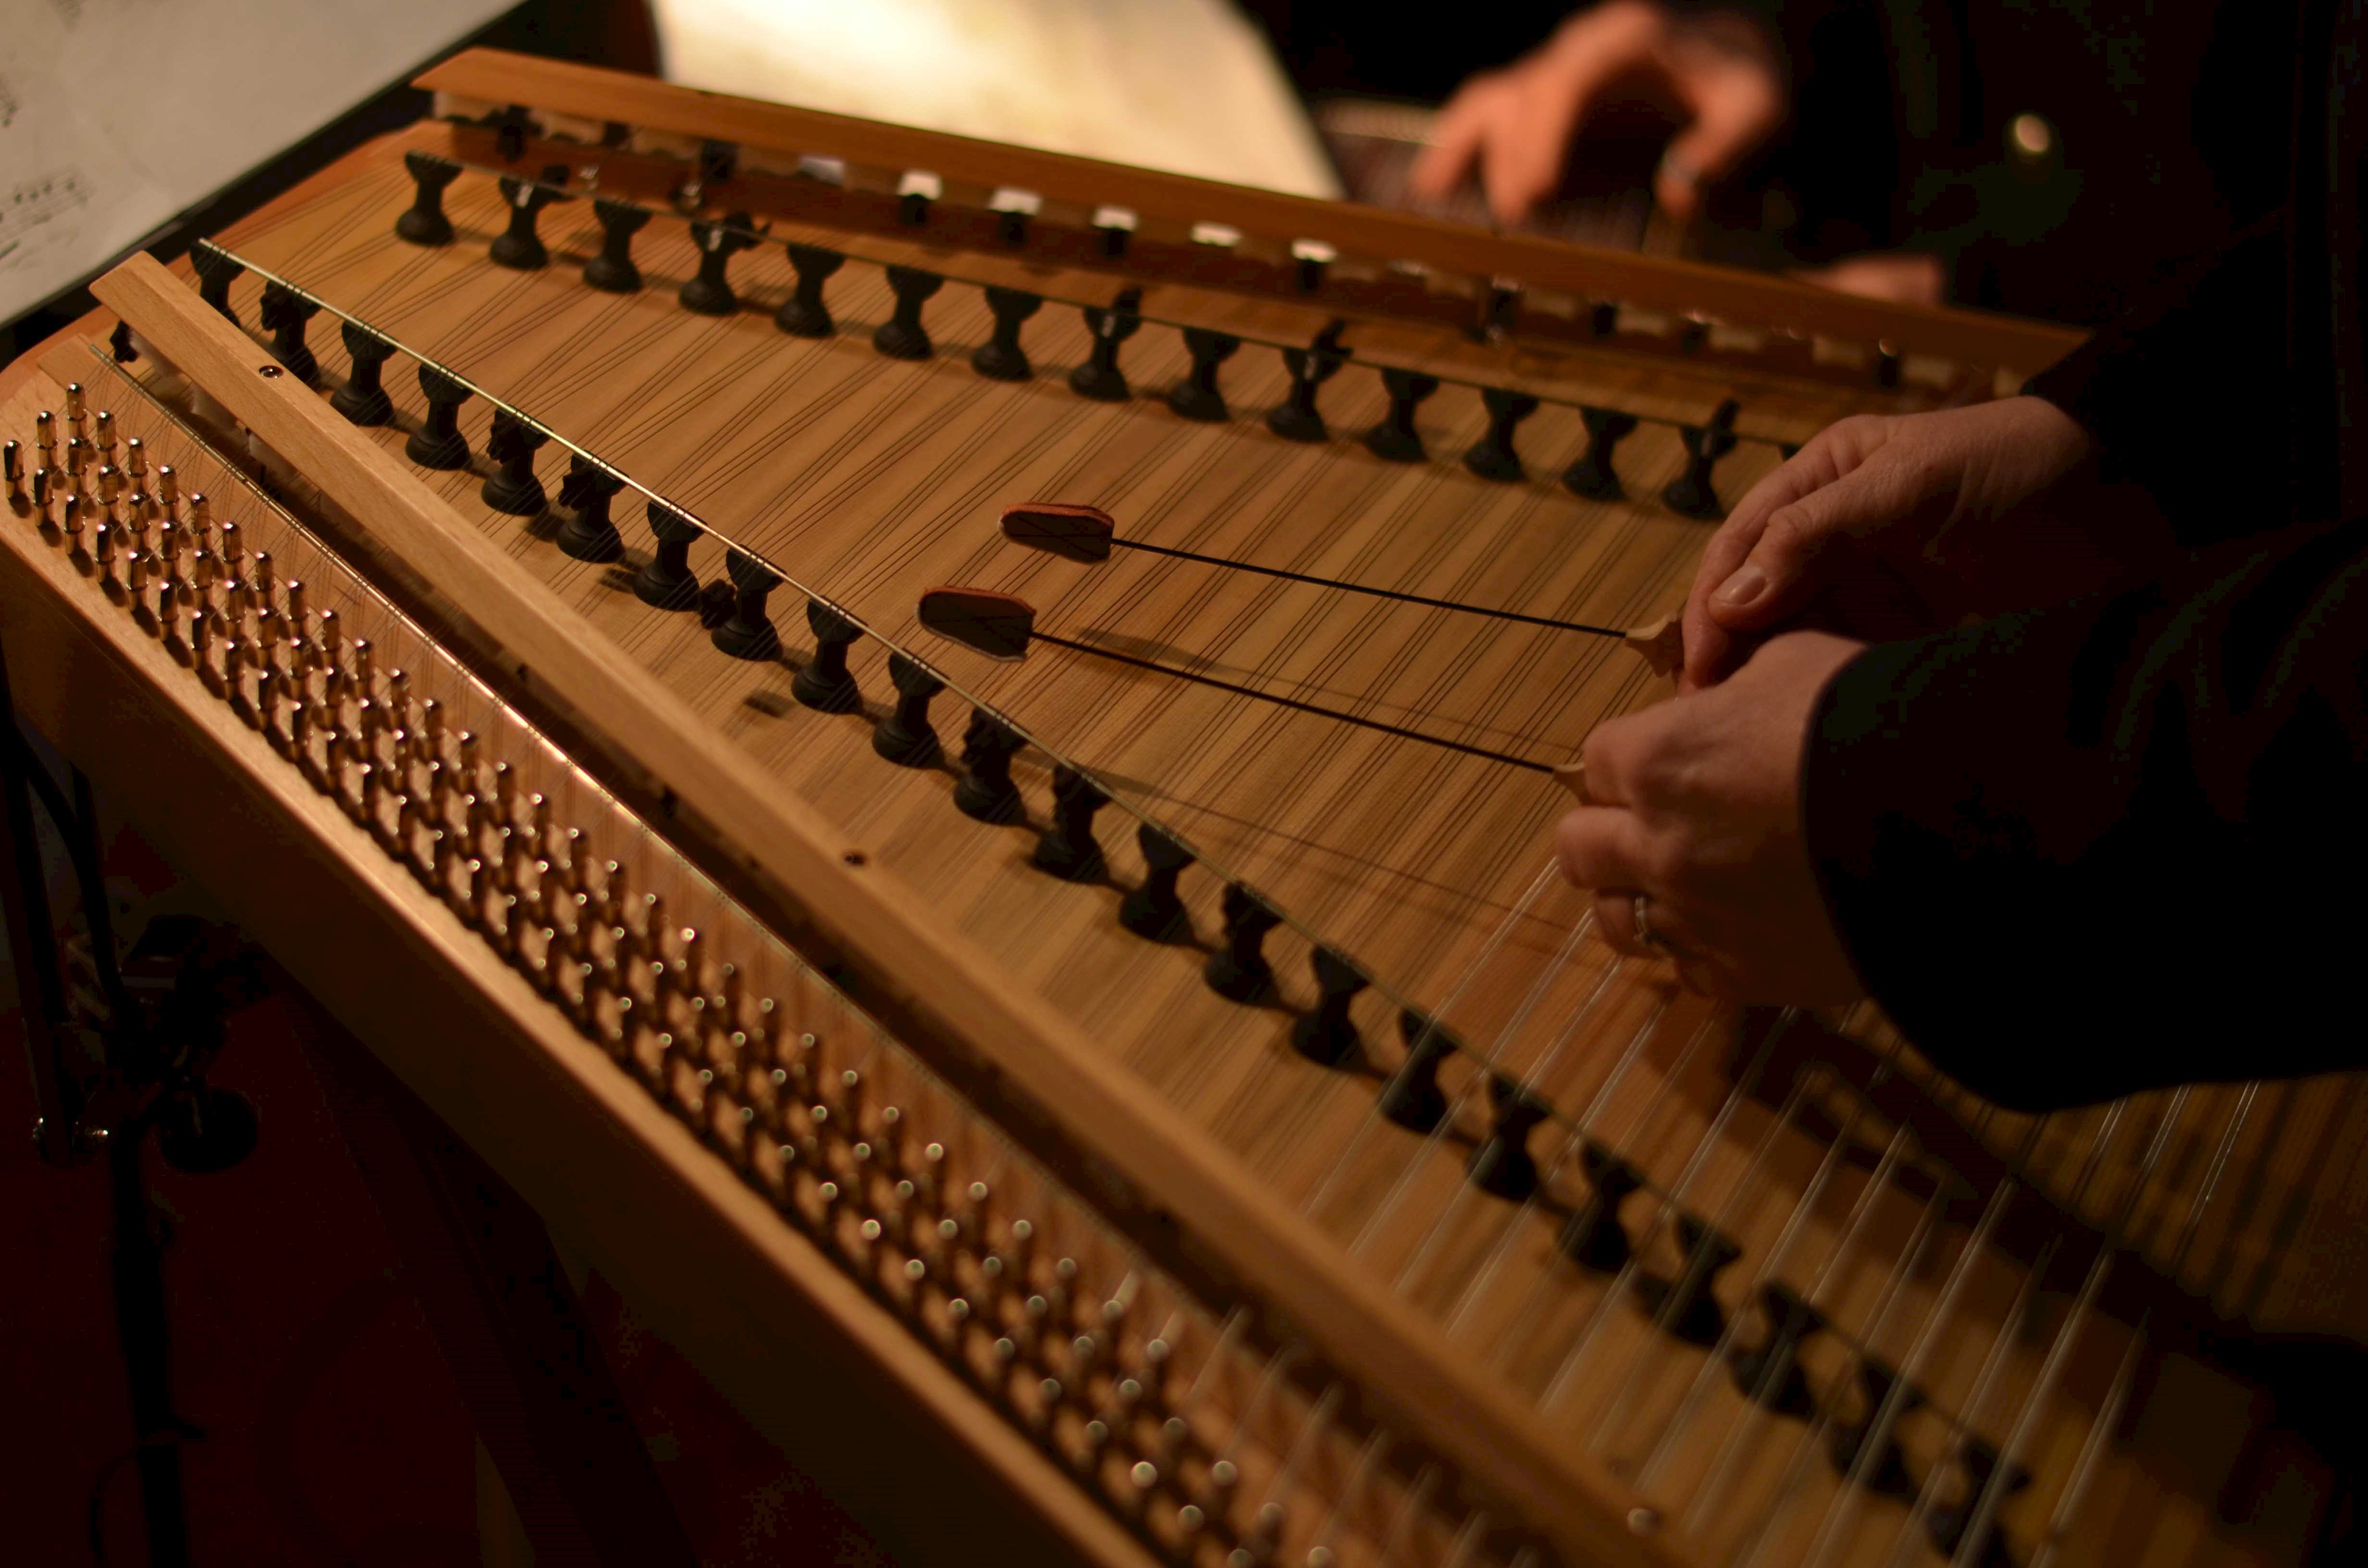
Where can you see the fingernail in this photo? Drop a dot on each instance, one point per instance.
(1747, 584)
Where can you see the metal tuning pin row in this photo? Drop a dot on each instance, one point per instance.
(1067, 1360)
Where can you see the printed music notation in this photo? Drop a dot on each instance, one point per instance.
(215, 89)
(37, 202)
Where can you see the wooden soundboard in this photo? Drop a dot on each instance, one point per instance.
(1157, 1070)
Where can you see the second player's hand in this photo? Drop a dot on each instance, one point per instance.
(1513, 127)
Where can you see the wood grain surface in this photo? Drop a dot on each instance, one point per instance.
(2001, 1265)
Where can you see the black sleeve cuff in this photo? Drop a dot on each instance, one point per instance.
(2081, 851)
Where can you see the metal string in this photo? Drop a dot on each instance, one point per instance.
(1845, 1505)
(1970, 1410)
(1881, 1420)
(1469, 1300)
(1547, 1287)
(1666, 1213)
(1268, 1522)
(1744, 1188)
(2092, 1450)
(649, 493)
(1993, 1492)
(1412, 1508)
(1321, 1554)
(1714, 1488)
(1471, 1086)
(1706, 1376)
(1431, 1027)
(1809, 1445)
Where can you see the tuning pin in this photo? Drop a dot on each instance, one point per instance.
(395, 701)
(369, 722)
(567, 875)
(439, 794)
(136, 575)
(428, 739)
(264, 607)
(135, 513)
(102, 552)
(665, 976)
(327, 641)
(329, 720)
(616, 888)
(730, 996)
(201, 580)
(12, 462)
(231, 552)
(201, 519)
(465, 777)
(504, 796)
(103, 435)
(78, 457)
(299, 725)
(70, 521)
(74, 406)
(135, 457)
(42, 485)
(654, 927)
(45, 440)
(167, 596)
(169, 490)
(295, 618)
(359, 668)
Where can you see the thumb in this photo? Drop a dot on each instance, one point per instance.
(1787, 566)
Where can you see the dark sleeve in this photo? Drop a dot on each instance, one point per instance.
(2116, 844)
(2185, 395)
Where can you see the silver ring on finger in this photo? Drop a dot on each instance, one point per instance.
(1638, 906)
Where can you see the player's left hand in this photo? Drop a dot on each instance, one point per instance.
(1696, 805)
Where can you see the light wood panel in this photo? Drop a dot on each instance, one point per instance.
(868, 478)
(1369, 1334)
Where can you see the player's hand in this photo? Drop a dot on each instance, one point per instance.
(1697, 806)
(1895, 526)
(1717, 72)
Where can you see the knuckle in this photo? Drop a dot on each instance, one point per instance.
(1789, 528)
(1668, 860)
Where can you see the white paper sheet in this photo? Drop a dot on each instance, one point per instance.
(1185, 85)
(116, 115)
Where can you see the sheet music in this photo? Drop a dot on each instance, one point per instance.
(116, 115)
(1186, 85)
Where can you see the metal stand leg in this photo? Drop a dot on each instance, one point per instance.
(64, 1100)
(144, 1330)
(33, 952)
